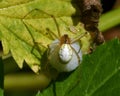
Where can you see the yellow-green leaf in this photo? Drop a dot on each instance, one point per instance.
(26, 26)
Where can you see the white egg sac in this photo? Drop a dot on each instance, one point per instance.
(61, 59)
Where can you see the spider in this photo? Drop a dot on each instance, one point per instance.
(64, 53)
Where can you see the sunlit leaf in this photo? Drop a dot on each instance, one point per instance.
(24, 27)
(98, 75)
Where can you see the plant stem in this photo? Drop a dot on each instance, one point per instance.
(109, 20)
(25, 81)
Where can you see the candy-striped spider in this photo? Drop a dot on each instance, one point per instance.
(64, 53)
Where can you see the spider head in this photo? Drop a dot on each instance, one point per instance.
(64, 39)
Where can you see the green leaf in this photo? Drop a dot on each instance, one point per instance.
(98, 75)
(24, 27)
(1, 92)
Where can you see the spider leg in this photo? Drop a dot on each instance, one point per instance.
(78, 37)
(35, 46)
(51, 34)
(76, 54)
(71, 28)
(52, 16)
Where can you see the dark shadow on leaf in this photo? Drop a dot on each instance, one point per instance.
(76, 17)
(64, 75)
(1, 74)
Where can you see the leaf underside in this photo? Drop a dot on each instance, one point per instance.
(98, 75)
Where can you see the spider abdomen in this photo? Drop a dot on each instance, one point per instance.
(65, 53)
